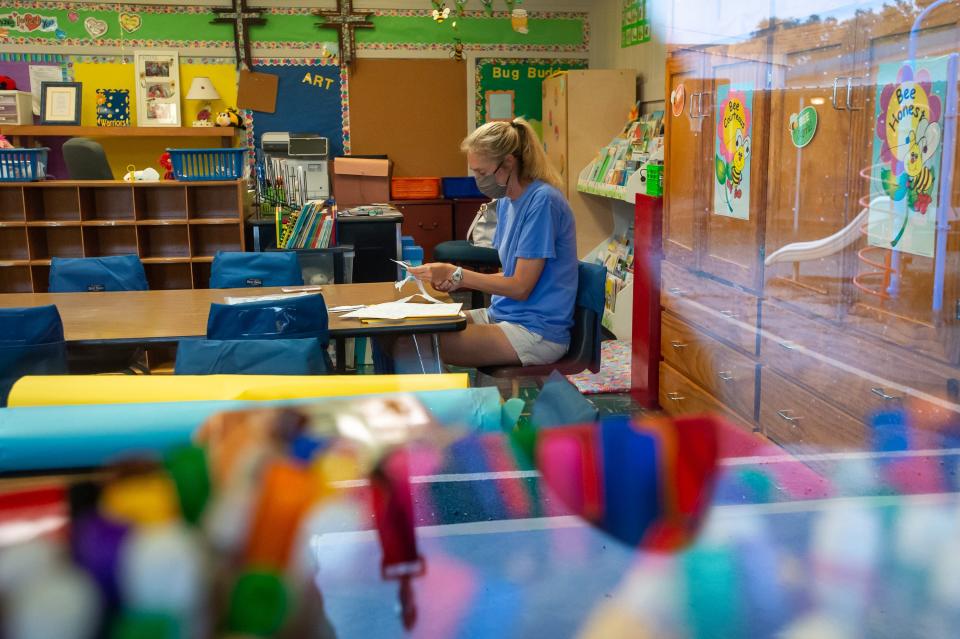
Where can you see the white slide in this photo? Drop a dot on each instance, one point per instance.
(816, 249)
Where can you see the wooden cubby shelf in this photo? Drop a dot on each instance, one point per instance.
(175, 227)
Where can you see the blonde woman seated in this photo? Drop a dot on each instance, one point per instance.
(532, 299)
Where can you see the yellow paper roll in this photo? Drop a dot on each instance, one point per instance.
(135, 389)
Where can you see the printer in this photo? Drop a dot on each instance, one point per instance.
(307, 150)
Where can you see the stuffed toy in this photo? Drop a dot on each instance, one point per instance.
(7, 83)
(167, 165)
(230, 117)
(5, 143)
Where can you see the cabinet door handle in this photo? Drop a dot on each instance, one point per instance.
(432, 227)
(676, 397)
(833, 96)
(850, 106)
(679, 292)
(726, 376)
(693, 98)
(701, 112)
(788, 416)
(677, 345)
(879, 392)
(787, 346)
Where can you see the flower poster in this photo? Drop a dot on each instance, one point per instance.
(731, 188)
(905, 174)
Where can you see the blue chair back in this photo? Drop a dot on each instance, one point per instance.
(295, 317)
(250, 357)
(91, 274)
(31, 343)
(244, 270)
(587, 333)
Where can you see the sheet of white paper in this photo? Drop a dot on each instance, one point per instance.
(263, 298)
(405, 310)
(423, 291)
(300, 289)
(38, 75)
(343, 309)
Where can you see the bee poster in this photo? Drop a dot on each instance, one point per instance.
(905, 174)
(731, 186)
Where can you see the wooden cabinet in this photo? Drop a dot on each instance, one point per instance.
(176, 228)
(583, 111)
(429, 222)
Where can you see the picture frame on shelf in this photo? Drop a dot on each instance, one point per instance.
(60, 103)
(158, 88)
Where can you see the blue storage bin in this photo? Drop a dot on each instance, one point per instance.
(207, 165)
(461, 187)
(413, 255)
(407, 240)
(23, 165)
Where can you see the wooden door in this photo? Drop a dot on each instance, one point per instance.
(907, 292)
(807, 192)
(731, 246)
(683, 194)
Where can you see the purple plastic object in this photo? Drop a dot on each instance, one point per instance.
(96, 547)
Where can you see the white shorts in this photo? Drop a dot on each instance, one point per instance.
(531, 349)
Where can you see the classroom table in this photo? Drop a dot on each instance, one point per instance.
(152, 318)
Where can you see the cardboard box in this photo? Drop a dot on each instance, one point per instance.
(359, 181)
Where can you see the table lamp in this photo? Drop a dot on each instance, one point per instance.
(202, 89)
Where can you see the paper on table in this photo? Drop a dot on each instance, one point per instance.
(342, 309)
(405, 310)
(423, 291)
(263, 298)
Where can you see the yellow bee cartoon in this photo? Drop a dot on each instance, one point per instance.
(740, 154)
(916, 151)
(440, 15)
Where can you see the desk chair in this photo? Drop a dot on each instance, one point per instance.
(295, 318)
(475, 258)
(31, 343)
(584, 351)
(243, 270)
(86, 160)
(97, 274)
(250, 357)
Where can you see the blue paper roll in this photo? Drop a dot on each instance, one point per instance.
(56, 437)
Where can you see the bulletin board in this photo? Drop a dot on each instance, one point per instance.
(311, 98)
(510, 88)
(411, 110)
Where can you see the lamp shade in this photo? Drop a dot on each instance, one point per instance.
(202, 89)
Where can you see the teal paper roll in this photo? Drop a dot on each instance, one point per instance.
(57, 437)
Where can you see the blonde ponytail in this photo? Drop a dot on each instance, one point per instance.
(497, 140)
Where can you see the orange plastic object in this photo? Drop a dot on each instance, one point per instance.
(288, 491)
(415, 188)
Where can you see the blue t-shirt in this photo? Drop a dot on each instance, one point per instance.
(539, 224)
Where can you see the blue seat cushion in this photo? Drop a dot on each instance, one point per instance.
(295, 317)
(245, 270)
(464, 251)
(251, 357)
(94, 274)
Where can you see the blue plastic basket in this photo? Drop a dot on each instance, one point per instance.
(460, 187)
(207, 165)
(23, 165)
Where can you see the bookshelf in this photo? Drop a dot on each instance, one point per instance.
(175, 227)
(19, 135)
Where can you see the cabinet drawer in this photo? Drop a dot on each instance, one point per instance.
(429, 224)
(855, 372)
(797, 419)
(725, 311)
(722, 371)
(680, 396)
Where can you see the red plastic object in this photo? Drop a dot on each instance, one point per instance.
(648, 251)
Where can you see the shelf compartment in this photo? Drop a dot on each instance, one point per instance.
(169, 240)
(207, 239)
(41, 277)
(99, 241)
(155, 202)
(11, 204)
(214, 201)
(174, 275)
(51, 204)
(15, 279)
(13, 244)
(201, 274)
(106, 203)
(55, 241)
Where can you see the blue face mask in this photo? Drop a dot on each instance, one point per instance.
(488, 184)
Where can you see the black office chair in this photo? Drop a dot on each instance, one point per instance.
(86, 160)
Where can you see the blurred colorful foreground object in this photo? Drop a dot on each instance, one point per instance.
(220, 540)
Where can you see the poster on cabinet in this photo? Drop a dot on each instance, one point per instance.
(905, 174)
(731, 186)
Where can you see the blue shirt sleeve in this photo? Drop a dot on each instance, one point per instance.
(538, 231)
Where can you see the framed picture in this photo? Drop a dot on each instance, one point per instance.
(158, 88)
(60, 103)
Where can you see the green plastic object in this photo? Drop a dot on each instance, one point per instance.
(655, 180)
(258, 604)
(143, 625)
(188, 467)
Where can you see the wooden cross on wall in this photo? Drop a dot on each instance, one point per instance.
(345, 20)
(241, 17)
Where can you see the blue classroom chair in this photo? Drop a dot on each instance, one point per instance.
(31, 343)
(302, 317)
(250, 357)
(95, 274)
(245, 270)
